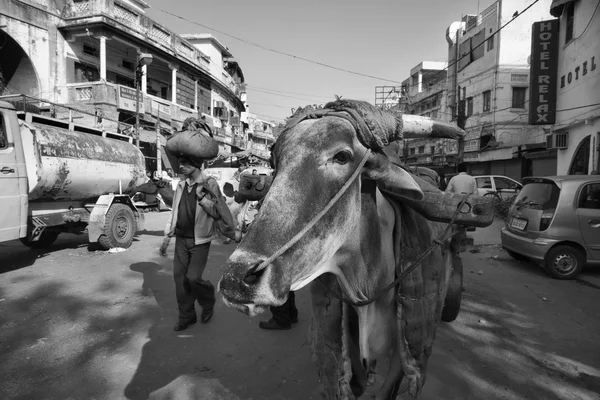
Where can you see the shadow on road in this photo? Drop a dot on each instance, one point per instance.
(167, 355)
(37, 361)
(14, 255)
(508, 345)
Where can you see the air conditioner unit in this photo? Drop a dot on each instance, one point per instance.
(557, 141)
(219, 104)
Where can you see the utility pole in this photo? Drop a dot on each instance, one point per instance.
(158, 155)
(143, 59)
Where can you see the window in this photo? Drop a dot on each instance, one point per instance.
(469, 106)
(421, 149)
(90, 51)
(570, 19)
(432, 149)
(484, 183)
(518, 97)
(434, 114)
(86, 73)
(490, 44)
(487, 100)
(503, 184)
(412, 151)
(590, 196)
(3, 137)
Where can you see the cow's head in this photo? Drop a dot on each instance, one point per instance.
(314, 157)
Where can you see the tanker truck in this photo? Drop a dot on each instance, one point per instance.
(58, 177)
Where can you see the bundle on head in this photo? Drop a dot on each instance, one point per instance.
(195, 142)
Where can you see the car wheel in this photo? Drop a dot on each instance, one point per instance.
(517, 256)
(564, 262)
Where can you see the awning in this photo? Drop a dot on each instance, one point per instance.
(556, 8)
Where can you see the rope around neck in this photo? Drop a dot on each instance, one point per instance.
(317, 217)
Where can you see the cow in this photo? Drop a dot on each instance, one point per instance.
(336, 217)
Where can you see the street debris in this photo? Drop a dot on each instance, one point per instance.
(117, 250)
(495, 257)
(544, 299)
(480, 272)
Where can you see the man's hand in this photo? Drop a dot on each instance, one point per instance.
(163, 247)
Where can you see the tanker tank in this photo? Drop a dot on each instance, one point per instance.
(75, 166)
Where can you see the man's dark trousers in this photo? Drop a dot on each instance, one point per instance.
(287, 312)
(189, 263)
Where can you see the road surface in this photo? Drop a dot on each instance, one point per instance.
(82, 324)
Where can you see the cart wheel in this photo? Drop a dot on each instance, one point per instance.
(454, 293)
(119, 227)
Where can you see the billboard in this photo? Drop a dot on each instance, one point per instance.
(543, 78)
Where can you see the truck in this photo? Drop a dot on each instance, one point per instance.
(60, 177)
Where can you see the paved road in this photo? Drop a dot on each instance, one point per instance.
(84, 324)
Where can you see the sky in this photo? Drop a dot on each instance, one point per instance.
(381, 38)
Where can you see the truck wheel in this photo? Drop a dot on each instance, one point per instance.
(454, 293)
(45, 240)
(119, 227)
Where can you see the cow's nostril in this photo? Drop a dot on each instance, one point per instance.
(253, 276)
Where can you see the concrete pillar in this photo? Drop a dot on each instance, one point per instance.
(174, 85)
(420, 82)
(144, 78)
(196, 96)
(103, 58)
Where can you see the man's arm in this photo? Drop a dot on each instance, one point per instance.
(450, 186)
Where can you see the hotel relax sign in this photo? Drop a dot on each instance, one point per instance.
(543, 78)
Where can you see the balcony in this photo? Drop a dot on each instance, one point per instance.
(83, 13)
(117, 98)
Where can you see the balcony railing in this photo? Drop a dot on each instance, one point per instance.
(139, 23)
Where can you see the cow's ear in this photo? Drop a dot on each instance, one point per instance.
(391, 179)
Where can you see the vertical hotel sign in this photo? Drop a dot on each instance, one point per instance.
(543, 76)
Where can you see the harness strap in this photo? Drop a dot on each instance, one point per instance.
(408, 270)
(317, 217)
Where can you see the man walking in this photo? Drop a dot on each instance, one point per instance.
(463, 182)
(197, 204)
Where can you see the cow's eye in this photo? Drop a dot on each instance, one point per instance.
(342, 157)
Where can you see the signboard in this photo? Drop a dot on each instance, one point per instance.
(126, 99)
(471, 145)
(543, 78)
(470, 157)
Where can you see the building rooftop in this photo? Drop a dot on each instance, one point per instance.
(207, 36)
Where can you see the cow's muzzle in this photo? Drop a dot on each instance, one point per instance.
(239, 287)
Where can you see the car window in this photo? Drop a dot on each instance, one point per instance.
(542, 195)
(503, 183)
(590, 196)
(484, 183)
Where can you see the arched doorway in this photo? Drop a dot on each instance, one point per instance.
(17, 73)
(581, 159)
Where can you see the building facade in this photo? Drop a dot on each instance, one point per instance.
(576, 132)
(86, 55)
(488, 79)
(424, 93)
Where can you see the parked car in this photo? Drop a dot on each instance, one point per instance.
(504, 186)
(555, 220)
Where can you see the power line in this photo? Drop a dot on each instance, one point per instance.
(281, 91)
(277, 51)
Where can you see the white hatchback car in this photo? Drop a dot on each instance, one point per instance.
(504, 186)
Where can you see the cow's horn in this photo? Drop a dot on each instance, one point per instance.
(416, 126)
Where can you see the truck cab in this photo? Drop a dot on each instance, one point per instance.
(13, 177)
